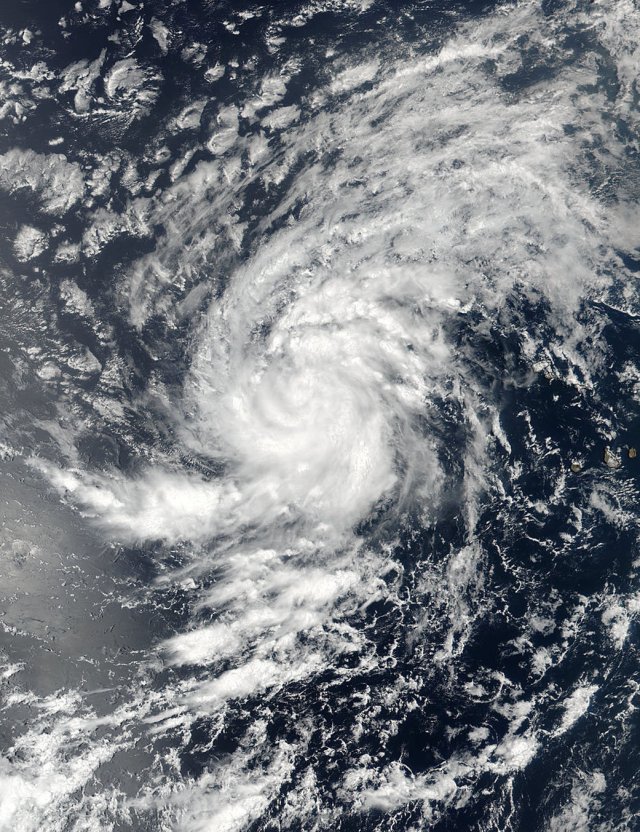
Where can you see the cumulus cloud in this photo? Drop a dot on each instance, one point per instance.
(57, 183)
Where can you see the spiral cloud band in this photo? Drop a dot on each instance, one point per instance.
(357, 271)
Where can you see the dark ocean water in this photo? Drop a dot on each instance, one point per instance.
(319, 400)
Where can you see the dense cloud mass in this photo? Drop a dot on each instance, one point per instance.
(321, 322)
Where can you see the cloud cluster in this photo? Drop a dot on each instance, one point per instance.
(378, 233)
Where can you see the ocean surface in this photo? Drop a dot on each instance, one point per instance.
(319, 407)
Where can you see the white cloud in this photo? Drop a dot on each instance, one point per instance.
(324, 368)
(56, 182)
